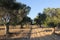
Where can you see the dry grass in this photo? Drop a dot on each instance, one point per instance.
(38, 33)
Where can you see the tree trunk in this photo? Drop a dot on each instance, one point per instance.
(21, 25)
(7, 29)
(40, 25)
(54, 30)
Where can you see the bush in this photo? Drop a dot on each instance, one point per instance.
(52, 24)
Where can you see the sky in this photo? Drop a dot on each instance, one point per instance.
(38, 5)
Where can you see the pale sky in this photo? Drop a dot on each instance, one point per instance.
(38, 5)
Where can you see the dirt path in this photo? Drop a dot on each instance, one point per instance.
(32, 34)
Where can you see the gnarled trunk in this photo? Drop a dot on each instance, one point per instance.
(7, 29)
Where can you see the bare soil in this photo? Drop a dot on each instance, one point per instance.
(29, 34)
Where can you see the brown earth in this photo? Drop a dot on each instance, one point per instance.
(29, 34)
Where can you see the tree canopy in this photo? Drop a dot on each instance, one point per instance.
(40, 18)
(53, 15)
(49, 17)
(16, 11)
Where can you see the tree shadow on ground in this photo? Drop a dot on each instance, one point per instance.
(28, 36)
(24, 35)
(47, 37)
